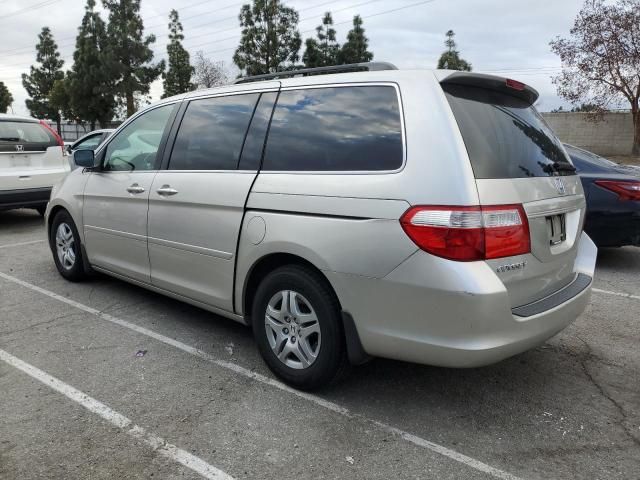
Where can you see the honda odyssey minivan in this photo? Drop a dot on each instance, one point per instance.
(343, 213)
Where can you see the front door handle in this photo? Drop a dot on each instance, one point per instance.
(166, 191)
(135, 188)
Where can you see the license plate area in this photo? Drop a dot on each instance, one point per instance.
(556, 228)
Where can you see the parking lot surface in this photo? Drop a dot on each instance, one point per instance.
(107, 380)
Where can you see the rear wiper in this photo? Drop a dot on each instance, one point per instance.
(557, 167)
(10, 139)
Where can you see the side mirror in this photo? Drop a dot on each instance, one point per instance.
(84, 158)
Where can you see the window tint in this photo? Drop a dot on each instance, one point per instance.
(504, 135)
(254, 143)
(212, 132)
(30, 135)
(335, 128)
(90, 143)
(136, 146)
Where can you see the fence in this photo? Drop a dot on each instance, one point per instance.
(611, 136)
(71, 131)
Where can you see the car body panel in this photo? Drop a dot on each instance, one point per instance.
(610, 222)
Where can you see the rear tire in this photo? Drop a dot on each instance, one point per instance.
(298, 329)
(66, 248)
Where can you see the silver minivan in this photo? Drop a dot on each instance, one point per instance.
(344, 213)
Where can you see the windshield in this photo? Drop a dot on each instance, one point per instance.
(505, 136)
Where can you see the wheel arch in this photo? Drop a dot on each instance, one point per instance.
(268, 263)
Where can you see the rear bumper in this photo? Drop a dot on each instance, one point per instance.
(27, 197)
(452, 314)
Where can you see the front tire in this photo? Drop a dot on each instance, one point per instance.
(65, 246)
(298, 329)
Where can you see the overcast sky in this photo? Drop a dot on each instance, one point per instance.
(505, 37)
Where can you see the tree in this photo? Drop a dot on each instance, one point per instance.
(355, 48)
(450, 58)
(6, 99)
(129, 54)
(324, 50)
(39, 82)
(208, 73)
(601, 58)
(60, 97)
(90, 88)
(177, 79)
(270, 39)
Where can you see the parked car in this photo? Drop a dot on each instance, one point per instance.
(424, 216)
(31, 162)
(91, 140)
(613, 198)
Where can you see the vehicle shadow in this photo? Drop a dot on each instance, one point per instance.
(623, 259)
(16, 221)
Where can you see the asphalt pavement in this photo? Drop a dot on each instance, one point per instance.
(104, 379)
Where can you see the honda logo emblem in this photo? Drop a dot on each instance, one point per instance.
(559, 185)
(19, 148)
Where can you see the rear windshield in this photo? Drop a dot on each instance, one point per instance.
(30, 136)
(504, 135)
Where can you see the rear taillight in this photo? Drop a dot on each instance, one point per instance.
(625, 189)
(58, 138)
(469, 233)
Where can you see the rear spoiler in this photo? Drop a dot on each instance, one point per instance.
(491, 82)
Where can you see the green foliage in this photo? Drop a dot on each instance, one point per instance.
(177, 79)
(89, 85)
(60, 98)
(324, 50)
(6, 99)
(270, 39)
(129, 54)
(450, 58)
(39, 82)
(355, 49)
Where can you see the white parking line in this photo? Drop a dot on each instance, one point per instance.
(158, 444)
(617, 294)
(20, 244)
(421, 442)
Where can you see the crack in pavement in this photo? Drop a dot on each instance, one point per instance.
(623, 422)
(39, 324)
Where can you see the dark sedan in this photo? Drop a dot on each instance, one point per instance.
(613, 198)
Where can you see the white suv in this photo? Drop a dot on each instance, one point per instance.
(31, 161)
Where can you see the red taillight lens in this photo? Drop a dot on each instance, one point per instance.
(54, 133)
(626, 189)
(469, 233)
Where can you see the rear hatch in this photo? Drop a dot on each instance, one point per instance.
(517, 160)
(30, 153)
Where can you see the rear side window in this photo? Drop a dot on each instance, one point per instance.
(355, 128)
(212, 133)
(30, 136)
(504, 135)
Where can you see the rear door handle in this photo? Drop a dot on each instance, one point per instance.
(166, 191)
(135, 188)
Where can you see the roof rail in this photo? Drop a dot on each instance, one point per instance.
(304, 72)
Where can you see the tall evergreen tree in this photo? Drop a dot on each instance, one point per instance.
(90, 88)
(355, 49)
(324, 50)
(450, 58)
(270, 39)
(39, 82)
(6, 99)
(177, 79)
(129, 54)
